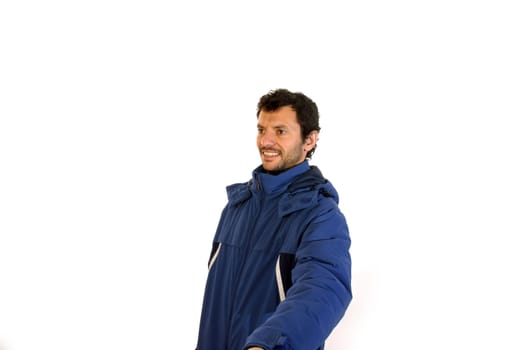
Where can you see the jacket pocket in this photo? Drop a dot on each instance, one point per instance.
(216, 248)
(283, 273)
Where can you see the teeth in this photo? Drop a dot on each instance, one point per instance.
(270, 153)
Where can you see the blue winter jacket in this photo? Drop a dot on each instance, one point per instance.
(279, 270)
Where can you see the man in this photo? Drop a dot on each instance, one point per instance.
(279, 269)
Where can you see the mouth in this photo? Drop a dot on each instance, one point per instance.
(269, 153)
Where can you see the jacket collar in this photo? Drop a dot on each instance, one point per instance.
(302, 184)
(261, 181)
(272, 184)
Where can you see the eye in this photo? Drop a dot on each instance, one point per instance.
(260, 131)
(281, 131)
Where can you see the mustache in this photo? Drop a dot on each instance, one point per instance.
(262, 149)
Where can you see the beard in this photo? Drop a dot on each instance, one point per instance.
(284, 160)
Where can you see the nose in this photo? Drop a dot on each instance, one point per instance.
(266, 139)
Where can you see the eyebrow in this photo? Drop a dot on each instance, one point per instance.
(279, 126)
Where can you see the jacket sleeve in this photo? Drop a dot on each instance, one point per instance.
(320, 291)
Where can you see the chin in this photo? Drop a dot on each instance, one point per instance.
(269, 167)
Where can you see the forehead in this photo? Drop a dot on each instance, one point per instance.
(285, 116)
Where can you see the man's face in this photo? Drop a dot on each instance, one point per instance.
(279, 139)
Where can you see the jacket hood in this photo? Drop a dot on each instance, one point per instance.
(306, 191)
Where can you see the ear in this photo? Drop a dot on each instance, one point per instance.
(311, 140)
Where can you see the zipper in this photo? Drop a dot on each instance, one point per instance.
(259, 200)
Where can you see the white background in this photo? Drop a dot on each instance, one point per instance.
(121, 122)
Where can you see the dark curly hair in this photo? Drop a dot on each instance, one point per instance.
(304, 107)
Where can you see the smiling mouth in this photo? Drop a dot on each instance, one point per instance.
(270, 153)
